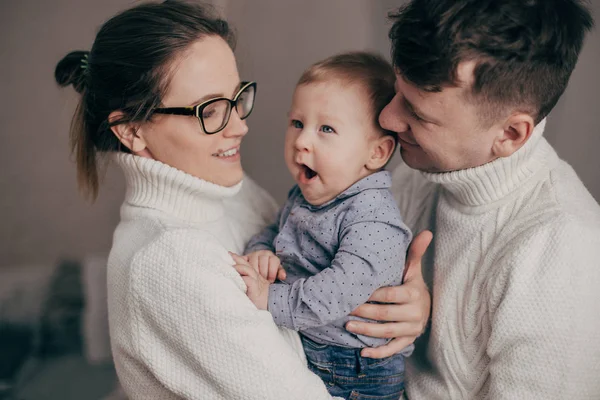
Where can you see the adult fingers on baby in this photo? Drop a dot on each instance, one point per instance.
(389, 312)
(253, 260)
(249, 282)
(387, 330)
(393, 347)
(239, 259)
(396, 295)
(245, 270)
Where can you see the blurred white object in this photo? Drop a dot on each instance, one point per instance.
(95, 318)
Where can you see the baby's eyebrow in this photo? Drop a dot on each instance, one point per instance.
(330, 119)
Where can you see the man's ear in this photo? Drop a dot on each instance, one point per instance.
(516, 131)
(127, 133)
(381, 151)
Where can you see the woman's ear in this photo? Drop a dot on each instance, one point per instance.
(516, 131)
(127, 133)
(381, 151)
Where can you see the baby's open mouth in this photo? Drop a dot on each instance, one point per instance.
(308, 173)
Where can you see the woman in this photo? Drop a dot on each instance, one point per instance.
(161, 91)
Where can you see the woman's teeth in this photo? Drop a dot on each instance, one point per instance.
(228, 153)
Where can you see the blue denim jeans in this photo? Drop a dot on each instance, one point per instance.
(346, 374)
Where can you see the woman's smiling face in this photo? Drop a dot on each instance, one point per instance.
(204, 71)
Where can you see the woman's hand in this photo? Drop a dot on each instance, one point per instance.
(257, 286)
(408, 314)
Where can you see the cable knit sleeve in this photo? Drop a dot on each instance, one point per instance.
(545, 314)
(199, 335)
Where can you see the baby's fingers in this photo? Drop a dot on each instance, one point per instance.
(274, 266)
(281, 274)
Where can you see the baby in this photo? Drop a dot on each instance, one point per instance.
(340, 235)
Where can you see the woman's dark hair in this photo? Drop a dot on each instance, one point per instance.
(128, 69)
(524, 50)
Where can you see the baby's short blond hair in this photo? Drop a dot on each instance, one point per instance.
(369, 70)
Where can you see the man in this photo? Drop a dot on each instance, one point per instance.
(514, 267)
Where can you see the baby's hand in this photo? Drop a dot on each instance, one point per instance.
(267, 264)
(257, 286)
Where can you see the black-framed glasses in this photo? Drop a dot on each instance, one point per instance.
(214, 114)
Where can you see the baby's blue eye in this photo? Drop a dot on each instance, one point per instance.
(297, 124)
(327, 129)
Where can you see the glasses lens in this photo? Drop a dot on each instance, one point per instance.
(245, 102)
(215, 115)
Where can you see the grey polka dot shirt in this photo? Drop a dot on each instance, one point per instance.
(335, 255)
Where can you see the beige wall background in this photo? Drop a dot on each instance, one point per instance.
(42, 217)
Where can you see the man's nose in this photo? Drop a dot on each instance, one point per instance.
(392, 117)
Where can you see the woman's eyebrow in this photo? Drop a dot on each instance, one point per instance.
(206, 97)
(214, 95)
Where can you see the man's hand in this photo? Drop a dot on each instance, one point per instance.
(408, 314)
(257, 286)
(267, 264)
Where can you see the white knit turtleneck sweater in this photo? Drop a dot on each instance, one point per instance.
(514, 271)
(181, 324)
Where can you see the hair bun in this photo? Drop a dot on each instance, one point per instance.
(71, 70)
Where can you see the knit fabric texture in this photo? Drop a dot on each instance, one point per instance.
(514, 270)
(181, 324)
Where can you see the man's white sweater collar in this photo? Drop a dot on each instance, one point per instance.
(496, 180)
(152, 184)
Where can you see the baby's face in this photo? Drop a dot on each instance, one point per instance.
(329, 138)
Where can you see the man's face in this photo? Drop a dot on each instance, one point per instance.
(442, 131)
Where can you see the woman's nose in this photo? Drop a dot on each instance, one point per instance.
(392, 117)
(236, 126)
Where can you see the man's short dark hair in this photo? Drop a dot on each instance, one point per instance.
(524, 50)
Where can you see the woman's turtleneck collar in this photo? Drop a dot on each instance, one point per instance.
(493, 181)
(152, 184)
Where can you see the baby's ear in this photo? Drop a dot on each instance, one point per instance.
(127, 133)
(381, 151)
